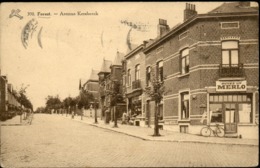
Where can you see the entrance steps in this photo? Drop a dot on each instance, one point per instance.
(230, 135)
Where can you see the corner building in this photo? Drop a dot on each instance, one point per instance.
(211, 70)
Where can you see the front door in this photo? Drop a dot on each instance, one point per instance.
(230, 112)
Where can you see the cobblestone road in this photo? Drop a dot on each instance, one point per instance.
(53, 141)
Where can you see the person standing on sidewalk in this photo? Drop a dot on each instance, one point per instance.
(124, 118)
(72, 114)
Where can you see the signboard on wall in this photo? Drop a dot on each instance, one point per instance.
(231, 86)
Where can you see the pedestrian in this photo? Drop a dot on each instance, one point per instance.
(124, 118)
(72, 114)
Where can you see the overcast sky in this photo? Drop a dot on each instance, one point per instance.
(72, 45)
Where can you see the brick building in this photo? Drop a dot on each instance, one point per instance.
(103, 79)
(8, 96)
(209, 65)
(134, 84)
(92, 85)
(114, 82)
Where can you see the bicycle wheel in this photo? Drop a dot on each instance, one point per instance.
(220, 132)
(206, 131)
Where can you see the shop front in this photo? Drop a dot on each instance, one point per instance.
(232, 105)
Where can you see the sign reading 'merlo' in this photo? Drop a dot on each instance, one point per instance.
(230, 86)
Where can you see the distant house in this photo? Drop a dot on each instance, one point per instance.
(103, 79)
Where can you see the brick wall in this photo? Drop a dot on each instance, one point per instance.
(205, 58)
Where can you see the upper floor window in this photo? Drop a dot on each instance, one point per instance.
(185, 65)
(229, 25)
(230, 53)
(148, 75)
(160, 71)
(137, 72)
(129, 77)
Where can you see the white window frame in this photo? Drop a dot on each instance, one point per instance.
(179, 107)
(221, 23)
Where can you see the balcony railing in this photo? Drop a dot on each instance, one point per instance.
(136, 84)
(226, 70)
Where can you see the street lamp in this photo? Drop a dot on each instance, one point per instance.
(95, 106)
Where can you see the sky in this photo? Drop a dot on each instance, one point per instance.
(64, 48)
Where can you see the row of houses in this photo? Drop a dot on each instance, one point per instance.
(9, 98)
(209, 65)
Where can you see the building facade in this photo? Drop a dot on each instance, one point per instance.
(134, 84)
(103, 79)
(210, 78)
(9, 98)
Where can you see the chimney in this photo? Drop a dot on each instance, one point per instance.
(162, 27)
(190, 11)
(244, 4)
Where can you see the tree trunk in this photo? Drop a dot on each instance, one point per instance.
(96, 122)
(115, 117)
(156, 127)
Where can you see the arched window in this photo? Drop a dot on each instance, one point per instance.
(148, 75)
(160, 71)
(129, 77)
(185, 64)
(137, 72)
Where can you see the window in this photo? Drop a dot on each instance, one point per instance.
(230, 54)
(160, 71)
(185, 61)
(216, 113)
(241, 104)
(137, 72)
(148, 75)
(129, 77)
(185, 100)
(229, 25)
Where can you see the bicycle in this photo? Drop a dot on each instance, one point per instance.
(206, 131)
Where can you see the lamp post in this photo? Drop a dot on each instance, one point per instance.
(95, 106)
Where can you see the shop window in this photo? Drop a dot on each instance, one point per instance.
(245, 113)
(185, 101)
(148, 76)
(160, 71)
(230, 54)
(129, 77)
(185, 61)
(216, 114)
(137, 72)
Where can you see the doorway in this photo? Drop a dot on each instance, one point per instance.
(230, 114)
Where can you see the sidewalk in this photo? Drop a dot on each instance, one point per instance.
(146, 133)
(15, 121)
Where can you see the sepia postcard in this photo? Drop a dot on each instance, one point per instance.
(129, 84)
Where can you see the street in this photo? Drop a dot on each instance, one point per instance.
(54, 141)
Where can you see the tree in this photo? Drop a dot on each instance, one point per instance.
(53, 102)
(156, 92)
(116, 97)
(23, 98)
(84, 99)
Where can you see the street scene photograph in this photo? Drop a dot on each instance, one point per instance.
(129, 84)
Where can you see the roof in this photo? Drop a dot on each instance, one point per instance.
(105, 66)
(224, 10)
(136, 49)
(233, 7)
(93, 75)
(118, 59)
(133, 46)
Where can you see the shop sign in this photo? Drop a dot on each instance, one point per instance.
(230, 86)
